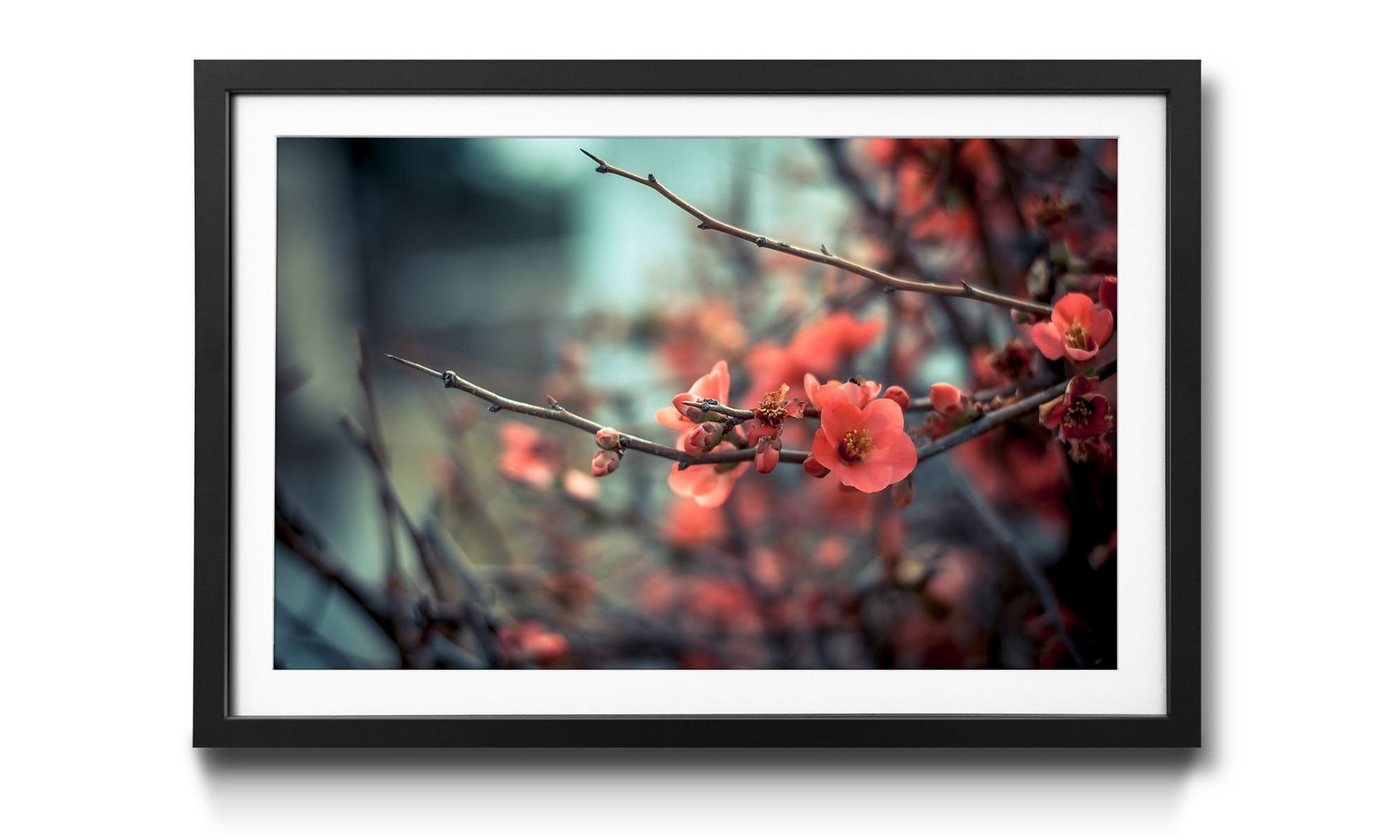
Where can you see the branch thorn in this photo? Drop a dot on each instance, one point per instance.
(595, 159)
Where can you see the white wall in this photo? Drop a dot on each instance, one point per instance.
(1300, 494)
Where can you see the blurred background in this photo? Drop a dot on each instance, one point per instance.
(416, 529)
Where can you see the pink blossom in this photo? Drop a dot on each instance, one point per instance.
(865, 447)
(1076, 329)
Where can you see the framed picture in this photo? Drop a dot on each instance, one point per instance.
(750, 404)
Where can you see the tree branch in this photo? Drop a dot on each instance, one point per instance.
(559, 414)
(1003, 415)
(294, 533)
(825, 257)
(895, 231)
(1035, 577)
(379, 453)
(921, 404)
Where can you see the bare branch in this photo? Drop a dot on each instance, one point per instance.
(293, 532)
(559, 414)
(1035, 577)
(395, 505)
(374, 441)
(824, 256)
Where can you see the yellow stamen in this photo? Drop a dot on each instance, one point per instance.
(772, 409)
(1076, 336)
(857, 445)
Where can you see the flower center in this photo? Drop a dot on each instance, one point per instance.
(857, 445)
(771, 410)
(1078, 413)
(1076, 336)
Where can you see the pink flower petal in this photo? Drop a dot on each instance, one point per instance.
(1074, 306)
(714, 384)
(1082, 355)
(1049, 340)
(896, 453)
(824, 452)
(839, 418)
(812, 387)
(881, 417)
(1103, 326)
(672, 419)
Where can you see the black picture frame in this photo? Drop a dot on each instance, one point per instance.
(217, 83)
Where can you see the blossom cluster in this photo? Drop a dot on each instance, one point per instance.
(860, 438)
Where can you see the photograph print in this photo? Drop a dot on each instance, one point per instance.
(682, 403)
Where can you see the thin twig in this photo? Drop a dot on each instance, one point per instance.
(426, 558)
(293, 532)
(825, 257)
(1035, 577)
(559, 414)
(430, 557)
(895, 232)
(374, 435)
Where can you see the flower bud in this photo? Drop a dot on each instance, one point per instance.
(903, 492)
(605, 461)
(899, 395)
(608, 438)
(765, 460)
(759, 431)
(1108, 294)
(689, 412)
(814, 468)
(947, 399)
(703, 437)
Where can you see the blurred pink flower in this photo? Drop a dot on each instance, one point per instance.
(689, 524)
(527, 455)
(708, 484)
(821, 346)
(531, 641)
(580, 486)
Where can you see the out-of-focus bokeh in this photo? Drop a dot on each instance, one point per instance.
(417, 529)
